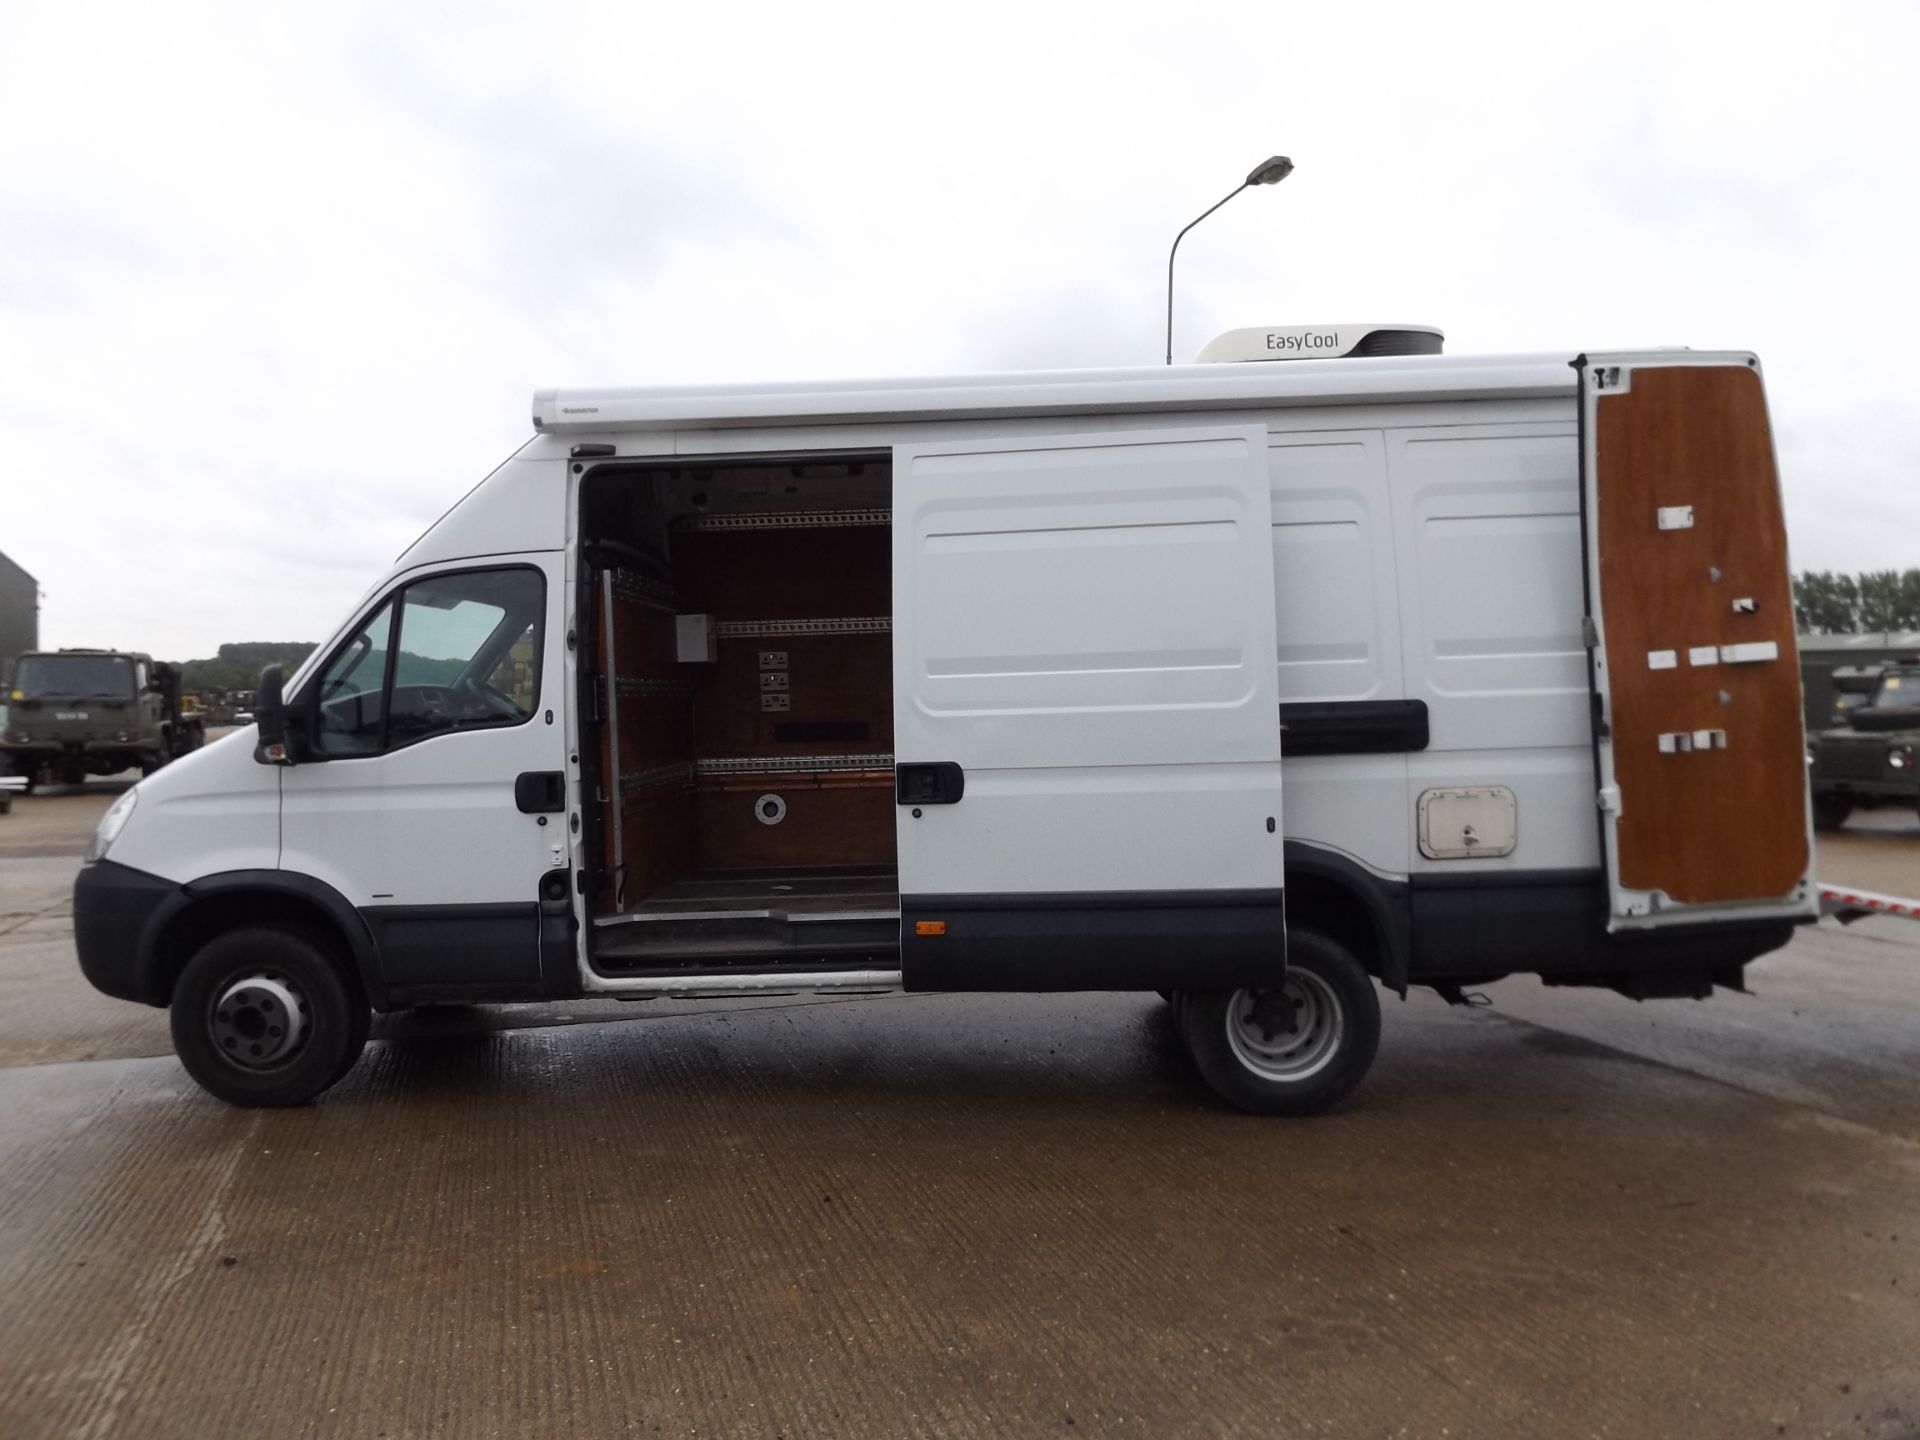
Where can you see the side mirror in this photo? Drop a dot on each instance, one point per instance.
(270, 712)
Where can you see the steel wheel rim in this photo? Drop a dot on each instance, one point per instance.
(259, 1021)
(1290, 1033)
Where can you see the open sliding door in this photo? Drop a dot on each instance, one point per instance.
(1086, 715)
(1698, 726)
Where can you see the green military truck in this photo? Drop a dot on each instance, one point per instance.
(75, 713)
(1875, 758)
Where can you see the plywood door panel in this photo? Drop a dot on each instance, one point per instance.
(1715, 825)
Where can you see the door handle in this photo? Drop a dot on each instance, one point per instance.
(935, 782)
(540, 792)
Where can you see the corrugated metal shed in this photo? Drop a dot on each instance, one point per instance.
(19, 611)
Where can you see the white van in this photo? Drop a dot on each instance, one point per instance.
(1250, 683)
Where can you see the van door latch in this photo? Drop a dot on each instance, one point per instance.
(936, 782)
(540, 792)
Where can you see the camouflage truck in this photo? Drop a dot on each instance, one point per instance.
(75, 713)
(1874, 759)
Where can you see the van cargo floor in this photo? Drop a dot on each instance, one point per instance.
(814, 917)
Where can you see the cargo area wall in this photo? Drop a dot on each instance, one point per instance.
(795, 707)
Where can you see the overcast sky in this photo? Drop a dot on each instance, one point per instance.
(276, 284)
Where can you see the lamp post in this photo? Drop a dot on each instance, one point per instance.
(1269, 172)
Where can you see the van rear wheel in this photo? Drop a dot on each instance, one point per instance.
(1299, 1048)
(263, 1017)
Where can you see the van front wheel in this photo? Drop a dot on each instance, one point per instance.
(263, 1017)
(1298, 1048)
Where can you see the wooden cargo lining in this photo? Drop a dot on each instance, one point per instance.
(653, 709)
(803, 613)
(1720, 824)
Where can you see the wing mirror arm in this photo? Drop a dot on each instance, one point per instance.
(270, 714)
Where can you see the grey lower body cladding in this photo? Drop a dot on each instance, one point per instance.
(1554, 924)
(1144, 940)
(1424, 930)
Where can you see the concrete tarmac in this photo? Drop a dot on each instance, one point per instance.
(1562, 1214)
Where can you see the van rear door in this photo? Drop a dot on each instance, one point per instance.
(1698, 729)
(1086, 712)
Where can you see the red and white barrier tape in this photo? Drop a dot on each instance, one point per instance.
(1854, 904)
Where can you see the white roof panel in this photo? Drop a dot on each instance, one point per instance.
(1056, 392)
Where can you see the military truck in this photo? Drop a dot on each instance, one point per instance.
(1874, 759)
(75, 713)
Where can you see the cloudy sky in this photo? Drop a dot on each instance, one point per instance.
(276, 283)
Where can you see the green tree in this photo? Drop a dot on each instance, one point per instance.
(1820, 605)
(1826, 603)
(1880, 600)
(238, 667)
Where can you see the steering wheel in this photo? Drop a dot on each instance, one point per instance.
(482, 698)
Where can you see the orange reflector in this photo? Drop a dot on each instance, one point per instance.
(929, 927)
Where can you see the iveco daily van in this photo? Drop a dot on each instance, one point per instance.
(1257, 684)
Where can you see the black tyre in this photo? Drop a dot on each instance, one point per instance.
(1297, 1049)
(1830, 812)
(264, 1017)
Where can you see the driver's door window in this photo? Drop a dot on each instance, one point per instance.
(516, 674)
(465, 655)
(351, 717)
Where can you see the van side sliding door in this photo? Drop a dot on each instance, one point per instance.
(1698, 732)
(1086, 712)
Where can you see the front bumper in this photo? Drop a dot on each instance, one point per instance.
(53, 749)
(1903, 791)
(117, 915)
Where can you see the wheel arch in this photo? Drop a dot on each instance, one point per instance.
(1371, 916)
(219, 903)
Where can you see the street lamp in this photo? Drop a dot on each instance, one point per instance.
(1269, 172)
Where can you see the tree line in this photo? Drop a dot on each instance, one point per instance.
(1827, 602)
(238, 667)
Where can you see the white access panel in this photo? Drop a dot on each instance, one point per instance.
(1084, 624)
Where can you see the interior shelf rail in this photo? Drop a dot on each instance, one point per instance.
(654, 689)
(790, 764)
(660, 777)
(835, 625)
(786, 520)
(640, 590)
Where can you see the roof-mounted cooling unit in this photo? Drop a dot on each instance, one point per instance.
(1319, 342)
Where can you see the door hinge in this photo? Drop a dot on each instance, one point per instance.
(1589, 632)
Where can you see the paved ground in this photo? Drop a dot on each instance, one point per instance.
(1565, 1214)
